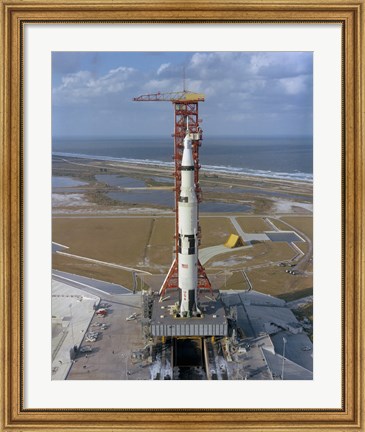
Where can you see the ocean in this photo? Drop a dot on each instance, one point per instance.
(275, 157)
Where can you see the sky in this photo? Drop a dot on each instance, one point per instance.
(246, 93)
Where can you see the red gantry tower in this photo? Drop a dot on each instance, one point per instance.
(186, 115)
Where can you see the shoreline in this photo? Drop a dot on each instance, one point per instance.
(262, 194)
(208, 169)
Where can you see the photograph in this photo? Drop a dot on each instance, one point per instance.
(182, 198)
(182, 231)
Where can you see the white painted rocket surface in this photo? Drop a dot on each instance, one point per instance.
(188, 231)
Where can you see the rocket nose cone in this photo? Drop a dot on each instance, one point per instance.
(187, 158)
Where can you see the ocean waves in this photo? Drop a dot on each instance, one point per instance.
(219, 169)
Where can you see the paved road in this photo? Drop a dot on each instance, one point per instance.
(207, 253)
(108, 264)
(56, 247)
(95, 286)
(271, 224)
(239, 230)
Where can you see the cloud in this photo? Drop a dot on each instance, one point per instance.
(245, 92)
(254, 82)
(281, 64)
(294, 85)
(82, 87)
(163, 67)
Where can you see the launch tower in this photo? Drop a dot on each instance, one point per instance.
(187, 277)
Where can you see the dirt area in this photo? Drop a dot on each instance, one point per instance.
(253, 224)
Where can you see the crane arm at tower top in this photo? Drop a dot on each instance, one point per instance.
(182, 96)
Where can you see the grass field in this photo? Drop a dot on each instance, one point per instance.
(253, 224)
(215, 230)
(279, 224)
(96, 271)
(147, 243)
(275, 281)
(304, 224)
(296, 295)
(259, 253)
(236, 282)
(120, 241)
(302, 246)
(161, 244)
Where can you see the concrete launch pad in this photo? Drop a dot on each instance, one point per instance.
(213, 321)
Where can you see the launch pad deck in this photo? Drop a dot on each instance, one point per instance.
(213, 321)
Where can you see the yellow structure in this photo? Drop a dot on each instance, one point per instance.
(233, 241)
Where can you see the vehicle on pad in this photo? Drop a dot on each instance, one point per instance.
(292, 272)
(91, 336)
(95, 334)
(101, 312)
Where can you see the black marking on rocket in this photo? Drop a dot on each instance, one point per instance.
(191, 300)
(192, 243)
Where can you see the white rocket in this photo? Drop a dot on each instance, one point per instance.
(188, 233)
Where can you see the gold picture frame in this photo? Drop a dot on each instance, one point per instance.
(14, 15)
